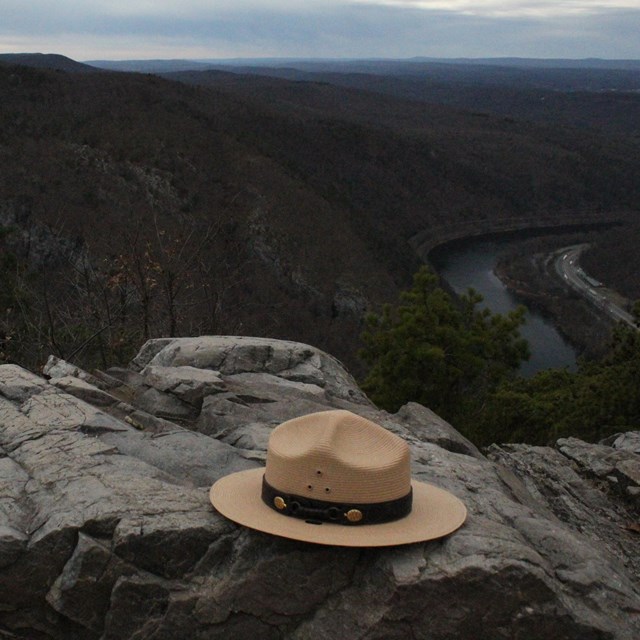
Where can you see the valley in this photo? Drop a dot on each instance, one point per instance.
(303, 204)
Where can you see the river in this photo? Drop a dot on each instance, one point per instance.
(471, 264)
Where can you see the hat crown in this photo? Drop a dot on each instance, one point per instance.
(338, 456)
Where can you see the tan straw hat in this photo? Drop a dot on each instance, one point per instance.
(336, 478)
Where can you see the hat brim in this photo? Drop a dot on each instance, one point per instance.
(435, 513)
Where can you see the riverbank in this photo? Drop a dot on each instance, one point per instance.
(528, 272)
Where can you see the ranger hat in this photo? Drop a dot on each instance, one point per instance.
(337, 478)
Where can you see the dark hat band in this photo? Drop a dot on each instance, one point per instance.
(319, 511)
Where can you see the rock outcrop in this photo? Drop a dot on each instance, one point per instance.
(106, 530)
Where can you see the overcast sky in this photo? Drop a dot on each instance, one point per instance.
(125, 29)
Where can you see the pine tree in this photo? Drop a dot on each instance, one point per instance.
(444, 354)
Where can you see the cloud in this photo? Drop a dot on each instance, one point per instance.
(511, 8)
(321, 28)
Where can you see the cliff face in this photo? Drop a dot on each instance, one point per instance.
(106, 530)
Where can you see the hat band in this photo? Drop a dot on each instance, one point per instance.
(319, 511)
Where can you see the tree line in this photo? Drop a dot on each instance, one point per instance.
(96, 308)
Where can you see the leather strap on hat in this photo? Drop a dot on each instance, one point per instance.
(319, 511)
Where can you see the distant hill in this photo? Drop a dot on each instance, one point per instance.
(46, 61)
(590, 93)
(549, 74)
(614, 111)
(600, 99)
(500, 72)
(541, 63)
(476, 74)
(149, 66)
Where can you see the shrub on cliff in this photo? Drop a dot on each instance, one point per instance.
(444, 355)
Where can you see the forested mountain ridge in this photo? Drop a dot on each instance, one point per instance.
(304, 197)
(607, 100)
(591, 75)
(52, 61)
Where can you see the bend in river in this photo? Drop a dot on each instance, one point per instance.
(471, 265)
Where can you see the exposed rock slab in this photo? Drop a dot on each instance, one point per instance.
(620, 467)
(106, 530)
(187, 383)
(577, 497)
(239, 354)
(627, 442)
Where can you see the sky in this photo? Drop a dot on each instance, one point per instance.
(145, 29)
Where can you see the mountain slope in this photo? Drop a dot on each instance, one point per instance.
(296, 201)
(602, 100)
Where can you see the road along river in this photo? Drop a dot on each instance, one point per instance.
(568, 268)
(471, 265)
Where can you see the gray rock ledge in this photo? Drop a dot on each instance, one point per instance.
(106, 531)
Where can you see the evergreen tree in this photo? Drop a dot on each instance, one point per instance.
(445, 355)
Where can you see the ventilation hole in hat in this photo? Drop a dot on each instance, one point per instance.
(318, 472)
(327, 490)
(310, 487)
(313, 521)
